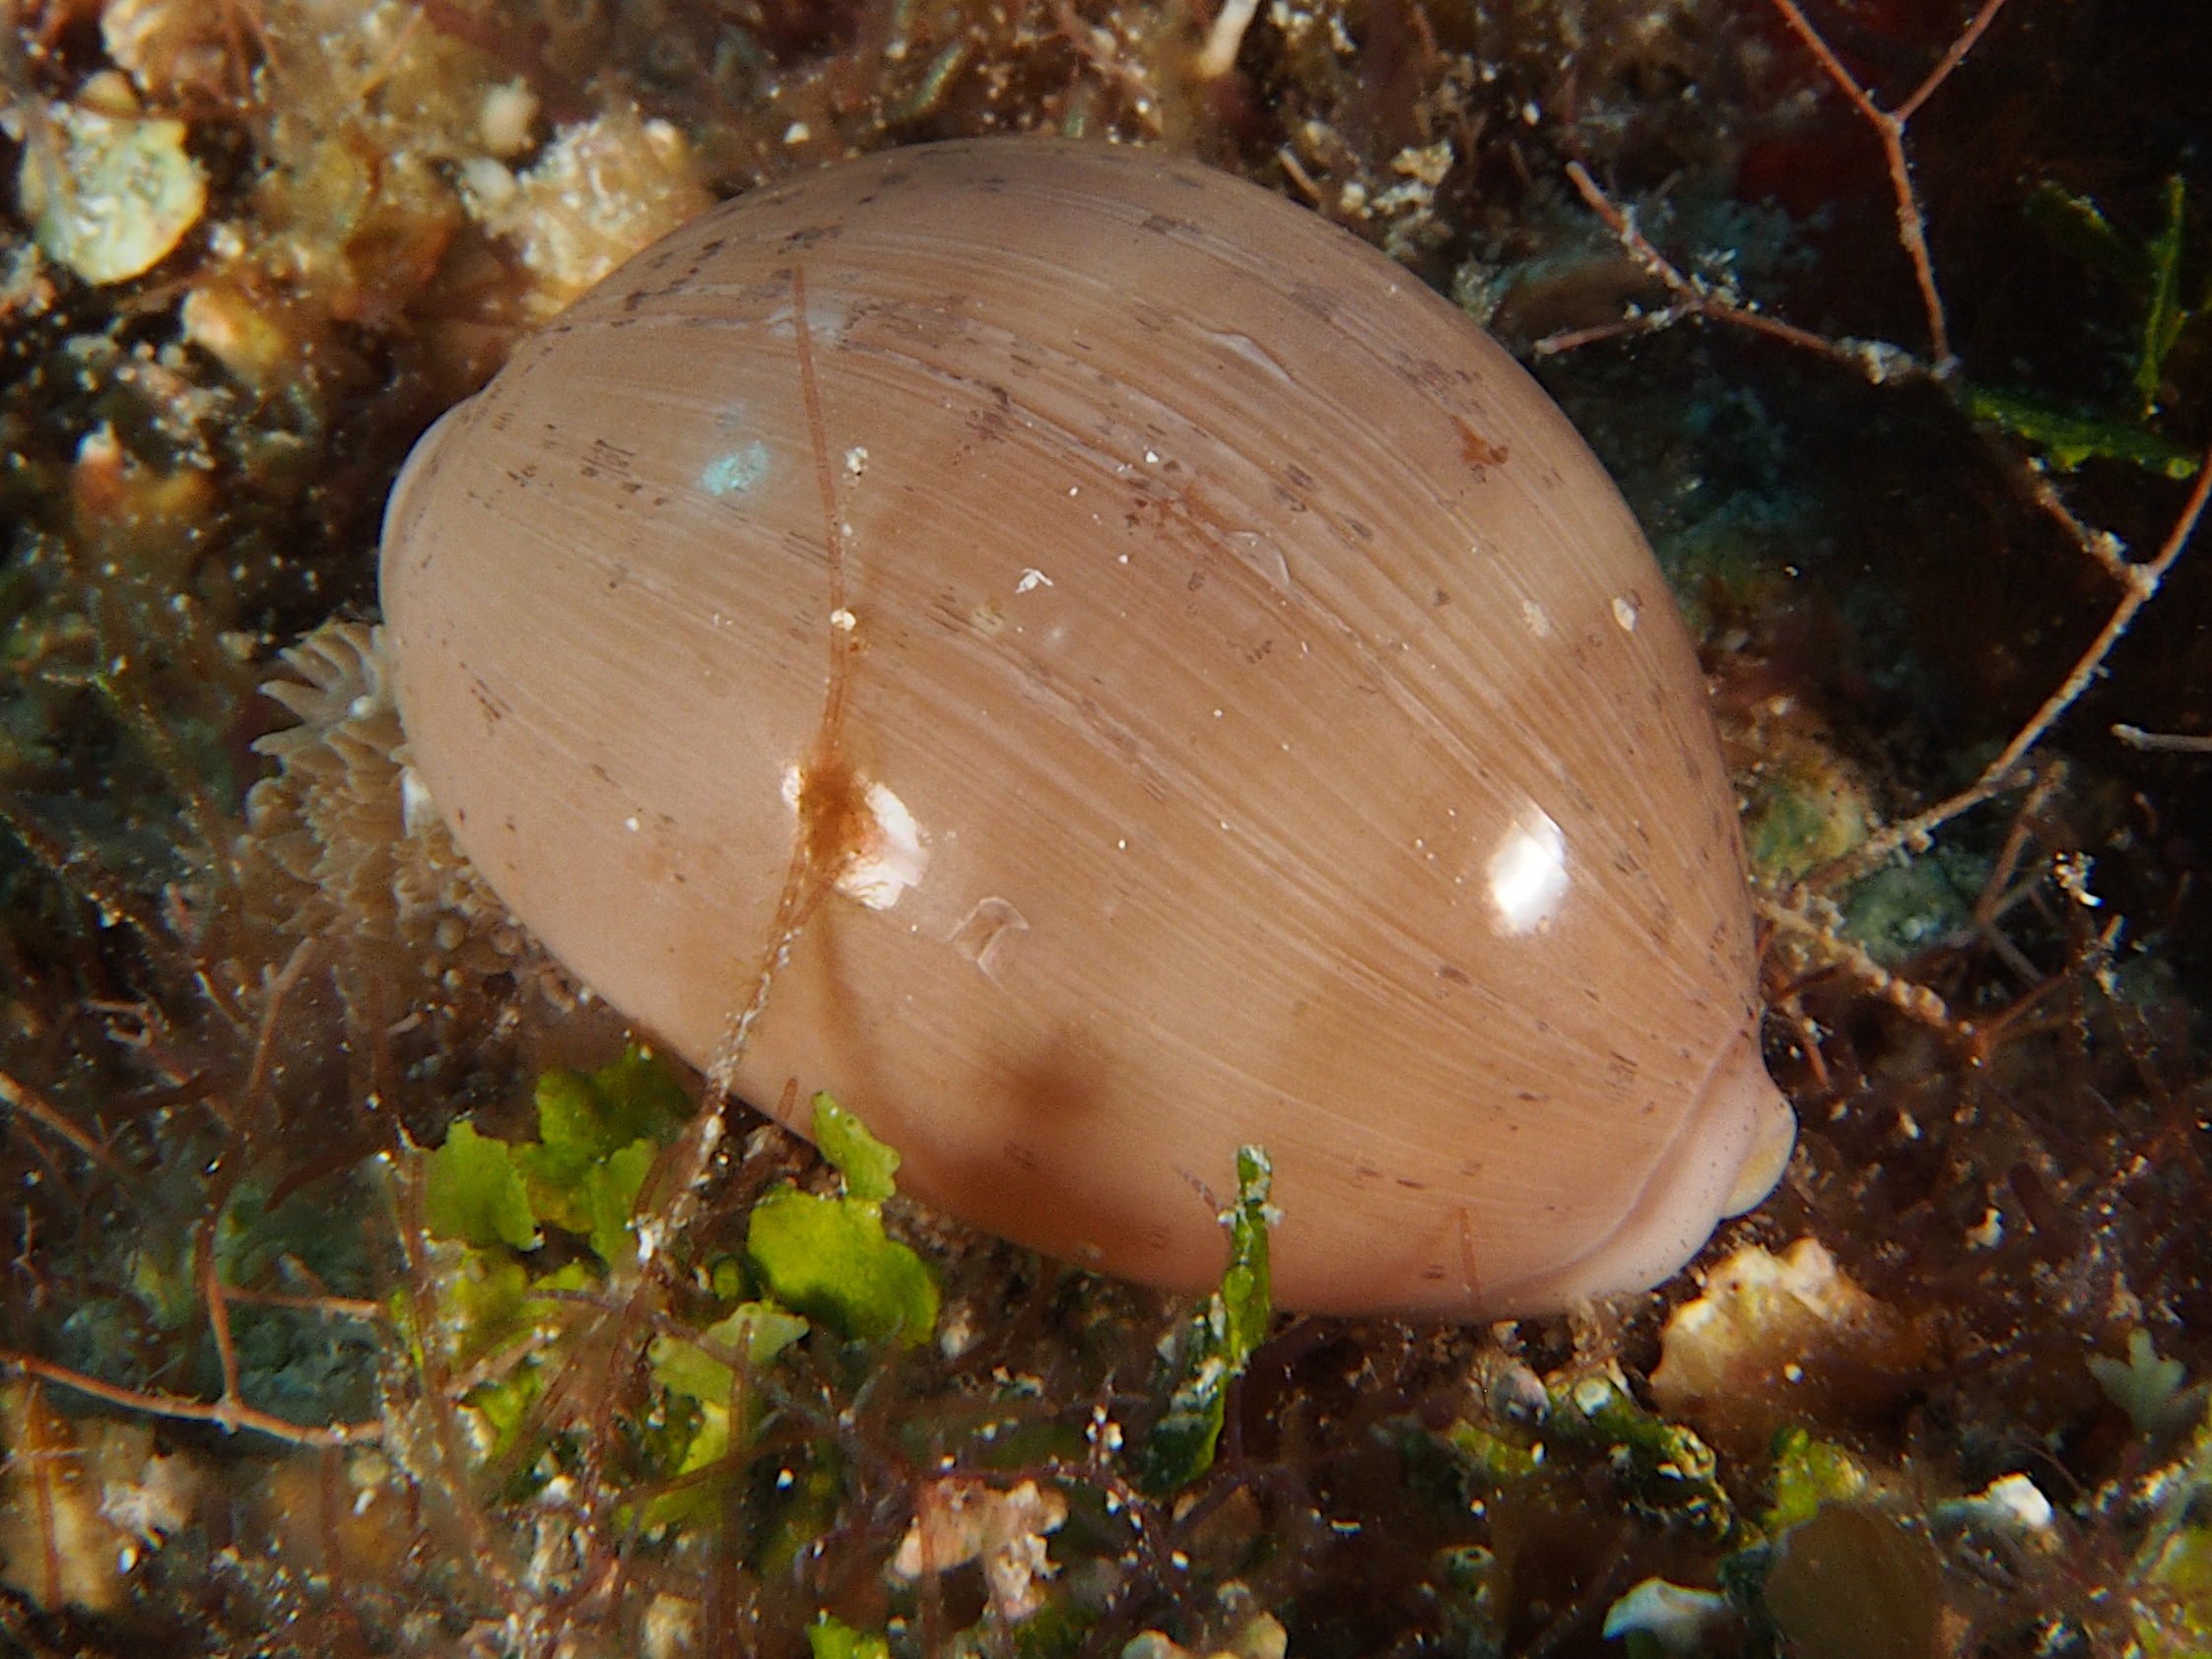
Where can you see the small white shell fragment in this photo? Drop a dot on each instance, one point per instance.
(2018, 1499)
(416, 810)
(1679, 1621)
(894, 859)
(110, 195)
(1624, 612)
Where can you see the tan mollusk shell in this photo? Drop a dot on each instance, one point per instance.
(1271, 725)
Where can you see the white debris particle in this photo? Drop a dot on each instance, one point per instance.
(2020, 1500)
(890, 858)
(1624, 612)
(2071, 871)
(856, 459)
(798, 132)
(671, 1627)
(417, 811)
(1427, 164)
(957, 1333)
(1218, 56)
(894, 859)
(1675, 1620)
(505, 117)
(1032, 579)
(843, 620)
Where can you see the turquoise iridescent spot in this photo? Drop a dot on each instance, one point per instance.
(737, 472)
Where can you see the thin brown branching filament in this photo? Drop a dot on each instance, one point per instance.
(2000, 892)
(217, 1320)
(2101, 547)
(329, 1307)
(1817, 928)
(1691, 297)
(1800, 913)
(842, 644)
(82, 877)
(833, 816)
(1889, 126)
(35, 1108)
(2006, 771)
(225, 1415)
(2171, 743)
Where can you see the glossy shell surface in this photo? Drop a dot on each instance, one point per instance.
(1271, 726)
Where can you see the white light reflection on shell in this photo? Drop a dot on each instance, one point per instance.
(1528, 874)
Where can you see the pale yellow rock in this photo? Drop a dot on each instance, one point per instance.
(56, 1544)
(108, 195)
(1780, 1340)
(1261, 1636)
